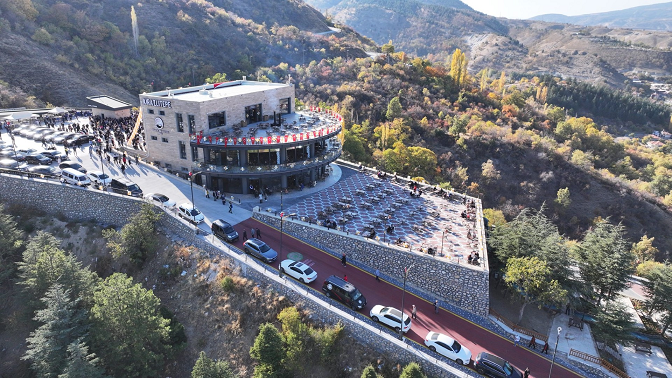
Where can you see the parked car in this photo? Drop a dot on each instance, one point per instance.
(260, 250)
(298, 270)
(43, 133)
(99, 178)
(50, 138)
(63, 137)
(36, 158)
(338, 288)
(79, 139)
(7, 163)
(125, 186)
(54, 154)
(449, 347)
(190, 213)
(73, 165)
(494, 366)
(44, 170)
(224, 231)
(160, 199)
(16, 156)
(74, 177)
(391, 317)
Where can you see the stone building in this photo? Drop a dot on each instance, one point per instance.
(240, 136)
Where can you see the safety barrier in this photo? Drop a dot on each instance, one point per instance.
(599, 361)
(517, 328)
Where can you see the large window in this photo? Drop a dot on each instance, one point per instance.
(183, 150)
(253, 113)
(285, 105)
(194, 153)
(216, 120)
(192, 123)
(180, 122)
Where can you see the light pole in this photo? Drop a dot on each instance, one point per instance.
(443, 237)
(554, 352)
(282, 214)
(403, 294)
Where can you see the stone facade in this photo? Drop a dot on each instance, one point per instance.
(459, 284)
(160, 114)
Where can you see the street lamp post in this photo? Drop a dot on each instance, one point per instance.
(443, 237)
(282, 215)
(403, 294)
(554, 352)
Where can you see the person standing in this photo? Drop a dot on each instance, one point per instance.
(244, 235)
(261, 198)
(545, 348)
(207, 194)
(516, 340)
(231, 207)
(526, 374)
(436, 306)
(343, 260)
(258, 234)
(377, 275)
(345, 277)
(252, 232)
(567, 309)
(414, 312)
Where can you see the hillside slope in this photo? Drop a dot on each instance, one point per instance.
(61, 51)
(647, 17)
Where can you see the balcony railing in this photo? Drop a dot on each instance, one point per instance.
(288, 167)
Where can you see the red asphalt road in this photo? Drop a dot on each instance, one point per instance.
(473, 336)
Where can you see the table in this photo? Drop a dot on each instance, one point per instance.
(366, 205)
(346, 200)
(360, 192)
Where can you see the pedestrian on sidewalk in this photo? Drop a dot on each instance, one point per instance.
(252, 232)
(231, 207)
(261, 198)
(343, 260)
(516, 339)
(345, 277)
(244, 235)
(526, 374)
(533, 343)
(258, 234)
(207, 194)
(567, 309)
(223, 200)
(545, 348)
(137, 160)
(414, 312)
(436, 306)
(123, 169)
(377, 275)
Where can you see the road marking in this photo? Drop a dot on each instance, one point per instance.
(309, 262)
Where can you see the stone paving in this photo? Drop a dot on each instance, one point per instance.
(362, 202)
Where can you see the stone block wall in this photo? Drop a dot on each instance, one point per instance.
(459, 284)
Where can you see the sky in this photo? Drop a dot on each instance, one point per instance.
(523, 9)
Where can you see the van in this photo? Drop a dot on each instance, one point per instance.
(224, 231)
(125, 187)
(337, 288)
(74, 177)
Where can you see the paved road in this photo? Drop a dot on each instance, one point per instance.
(471, 335)
(474, 337)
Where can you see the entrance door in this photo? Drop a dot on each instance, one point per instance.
(253, 113)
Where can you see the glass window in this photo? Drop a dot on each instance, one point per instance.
(192, 123)
(284, 105)
(216, 120)
(164, 140)
(154, 137)
(161, 112)
(180, 122)
(150, 111)
(183, 150)
(194, 153)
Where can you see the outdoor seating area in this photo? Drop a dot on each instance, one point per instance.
(371, 207)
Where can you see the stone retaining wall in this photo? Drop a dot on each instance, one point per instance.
(461, 285)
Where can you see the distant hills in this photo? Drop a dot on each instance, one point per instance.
(646, 17)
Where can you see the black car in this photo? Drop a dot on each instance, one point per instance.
(44, 170)
(224, 231)
(54, 154)
(73, 165)
(78, 140)
(38, 159)
(493, 366)
(126, 187)
(338, 288)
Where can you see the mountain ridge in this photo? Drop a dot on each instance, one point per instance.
(645, 17)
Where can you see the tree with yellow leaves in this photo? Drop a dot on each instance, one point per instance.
(458, 68)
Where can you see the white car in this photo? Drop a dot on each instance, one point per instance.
(190, 213)
(448, 347)
(160, 199)
(99, 178)
(391, 317)
(298, 270)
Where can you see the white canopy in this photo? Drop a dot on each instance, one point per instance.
(20, 115)
(57, 110)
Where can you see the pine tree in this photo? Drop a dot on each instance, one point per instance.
(62, 323)
(268, 349)
(10, 244)
(207, 368)
(81, 363)
(393, 109)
